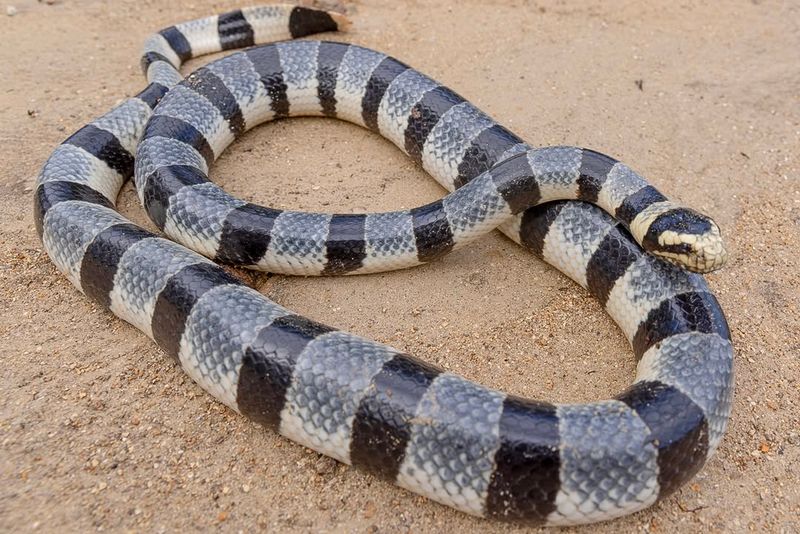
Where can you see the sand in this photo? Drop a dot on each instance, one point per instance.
(101, 431)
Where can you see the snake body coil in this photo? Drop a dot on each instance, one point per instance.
(478, 450)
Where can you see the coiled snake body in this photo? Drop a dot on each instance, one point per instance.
(478, 450)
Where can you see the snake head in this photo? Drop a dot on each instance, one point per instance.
(681, 236)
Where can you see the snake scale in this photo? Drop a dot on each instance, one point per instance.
(363, 403)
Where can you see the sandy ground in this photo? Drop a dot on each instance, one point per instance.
(99, 430)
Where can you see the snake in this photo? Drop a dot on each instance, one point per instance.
(478, 450)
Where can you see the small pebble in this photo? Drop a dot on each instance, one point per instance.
(11, 11)
(324, 465)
